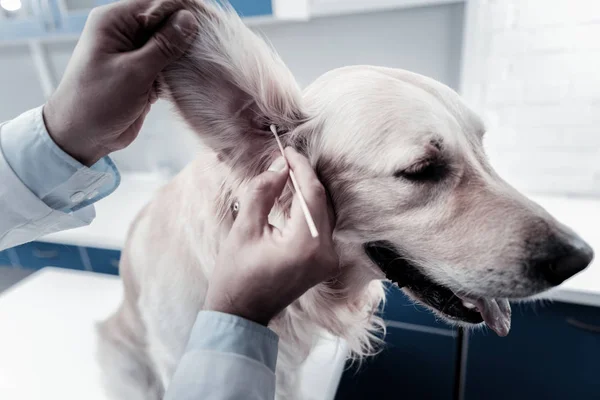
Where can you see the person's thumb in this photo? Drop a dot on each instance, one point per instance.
(168, 43)
(256, 204)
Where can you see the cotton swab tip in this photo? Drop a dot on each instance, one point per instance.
(307, 216)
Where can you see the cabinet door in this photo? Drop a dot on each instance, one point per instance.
(399, 307)
(104, 261)
(245, 8)
(412, 366)
(552, 352)
(252, 8)
(5, 259)
(38, 255)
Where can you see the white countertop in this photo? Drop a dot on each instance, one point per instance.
(48, 342)
(47, 339)
(116, 212)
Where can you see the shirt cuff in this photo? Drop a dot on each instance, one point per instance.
(227, 333)
(59, 180)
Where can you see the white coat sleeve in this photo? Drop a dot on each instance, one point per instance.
(42, 189)
(227, 358)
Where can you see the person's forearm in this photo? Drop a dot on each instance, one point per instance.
(227, 357)
(43, 189)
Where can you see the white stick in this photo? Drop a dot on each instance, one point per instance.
(309, 219)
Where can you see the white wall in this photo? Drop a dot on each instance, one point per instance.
(19, 86)
(532, 67)
(425, 40)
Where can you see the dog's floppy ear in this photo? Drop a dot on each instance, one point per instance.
(230, 86)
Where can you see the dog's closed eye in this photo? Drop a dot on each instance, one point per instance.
(428, 170)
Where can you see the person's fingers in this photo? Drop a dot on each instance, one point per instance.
(155, 12)
(131, 133)
(167, 44)
(313, 192)
(257, 202)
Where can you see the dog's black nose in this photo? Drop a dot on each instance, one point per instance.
(573, 258)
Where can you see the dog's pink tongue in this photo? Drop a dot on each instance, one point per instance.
(496, 314)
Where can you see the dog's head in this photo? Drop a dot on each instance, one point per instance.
(402, 159)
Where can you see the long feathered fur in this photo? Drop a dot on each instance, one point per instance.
(229, 87)
(360, 127)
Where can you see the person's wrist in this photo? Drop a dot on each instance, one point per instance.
(68, 136)
(226, 306)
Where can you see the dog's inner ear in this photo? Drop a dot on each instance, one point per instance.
(230, 87)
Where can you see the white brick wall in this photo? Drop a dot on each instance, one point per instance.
(532, 69)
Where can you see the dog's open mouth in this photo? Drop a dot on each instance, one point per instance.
(495, 313)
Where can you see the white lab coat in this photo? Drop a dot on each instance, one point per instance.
(24, 217)
(202, 373)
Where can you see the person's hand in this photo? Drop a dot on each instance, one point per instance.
(260, 269)
(109, 84)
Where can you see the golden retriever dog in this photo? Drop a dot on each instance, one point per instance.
(415, 199)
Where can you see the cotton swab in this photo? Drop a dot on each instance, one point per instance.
(309, 219)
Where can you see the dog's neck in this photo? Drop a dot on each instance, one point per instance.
(350, 298)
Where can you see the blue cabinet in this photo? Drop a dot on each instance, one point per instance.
(246, 8)
(552, 352)
(252, 8)
(417, 361)
(52, 22)
(103, 260)
(400, 308)
(412, 366)
(5, 259)
(37, 255)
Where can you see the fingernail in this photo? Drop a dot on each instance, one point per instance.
(143, 18)
(278, 165)
(185, 23)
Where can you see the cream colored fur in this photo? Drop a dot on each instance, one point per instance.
(358, 126)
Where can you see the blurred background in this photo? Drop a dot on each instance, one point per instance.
(37, 41)
(530, 68)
